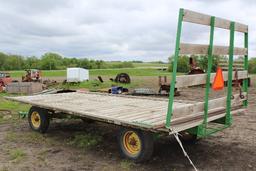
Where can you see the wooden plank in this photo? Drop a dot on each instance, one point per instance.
(127, 114)
(187, 49)
(189, 111)
(192, 123)
(234, 64)
(237, 61)
(226, 69)
(199, 18)
(199, 79)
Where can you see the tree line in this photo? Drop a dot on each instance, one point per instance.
(54, 61)
(202, 62)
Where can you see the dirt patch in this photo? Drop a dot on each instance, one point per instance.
(60, 149)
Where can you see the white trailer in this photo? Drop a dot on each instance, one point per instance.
(77, 74)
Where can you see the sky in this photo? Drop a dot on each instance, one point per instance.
(114, 29)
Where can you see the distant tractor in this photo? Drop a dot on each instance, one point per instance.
(33, 75)
(5, 78)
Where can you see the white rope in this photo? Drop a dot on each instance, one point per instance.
(176, 135)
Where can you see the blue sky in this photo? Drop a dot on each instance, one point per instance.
(112, 29)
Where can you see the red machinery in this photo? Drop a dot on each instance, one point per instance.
(33, 75)
(165, 86)
(5, 79)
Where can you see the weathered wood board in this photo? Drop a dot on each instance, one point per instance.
(199, 79)
(24, 87)
(142, 112)
(198, 49)
(199, 18)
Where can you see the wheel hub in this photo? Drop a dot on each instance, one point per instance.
(132, 142)
(35, 119)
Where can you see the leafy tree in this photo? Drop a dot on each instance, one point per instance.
(51, 61)
(252, 65)
(32, 62)
(2, 61)
(182, 65)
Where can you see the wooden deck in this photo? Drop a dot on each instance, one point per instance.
(142, 112)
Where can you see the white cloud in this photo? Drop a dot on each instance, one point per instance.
(110, 29)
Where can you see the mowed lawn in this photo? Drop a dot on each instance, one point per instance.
(102, 72)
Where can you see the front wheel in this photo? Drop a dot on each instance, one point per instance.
(38, 119)
(135, 144)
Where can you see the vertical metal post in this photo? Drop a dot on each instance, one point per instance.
(209, 70)
(245, 82)
(228, 119)
(174, 70)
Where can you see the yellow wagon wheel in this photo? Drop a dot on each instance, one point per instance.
(135, 144)
(132, 142)
(38, 119)
(35, 119)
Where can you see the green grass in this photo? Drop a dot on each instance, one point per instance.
(130, 71)
(45, 73)
(149, 64)
(85, 140)
(96, 85)
(138, 64)
(17, 154)
(9, 109)
(103, 72)
(10, 105)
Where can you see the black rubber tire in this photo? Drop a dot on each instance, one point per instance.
(147, 145)
(44, 118)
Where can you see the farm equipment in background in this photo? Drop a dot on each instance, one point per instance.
(32, 75)
(237, 66)
(165, 86)
(194, 69)
(122, 78)
(5, 78)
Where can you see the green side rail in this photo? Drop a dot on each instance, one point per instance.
(228, 119)
(209, 70)
(245, 82)
(201, 130)
(174, 71)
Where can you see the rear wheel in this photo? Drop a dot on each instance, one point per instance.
(135, 144)
(38, 119)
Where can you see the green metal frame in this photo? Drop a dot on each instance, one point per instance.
(245, 82)
(174, 71)
(203, 129)
(230, 73)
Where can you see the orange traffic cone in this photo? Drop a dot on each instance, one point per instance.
(218, 83)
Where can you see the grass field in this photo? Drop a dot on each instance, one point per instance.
(141, 65)
(103, 72)
(140, 69)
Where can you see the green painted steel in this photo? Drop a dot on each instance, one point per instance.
(202, 129)
(209, 70)
(206, 129)
(228, 120)
(245, 82)
(174, 70)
